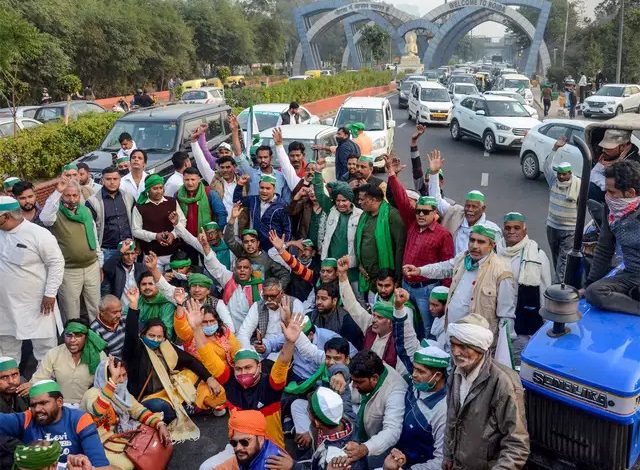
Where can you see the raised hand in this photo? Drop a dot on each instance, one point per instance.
(236, 210)
(233, 122)
(117, 372)
(243, 180)
(436, 162)
(277, 136)
(126, 246)
(401, 297)
(179, 295)
(276, 241)
(62, 183)
(321, 163)
(204, 242)
(293, 328)
(338, 383)
(194, 314)
(133, 296)
(151, 261)
(285, 307)
(560, 142)
(343, 266)
(420, 128)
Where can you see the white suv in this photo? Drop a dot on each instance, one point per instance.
(429, 103)
(612, 100)
(518, 83)
(496, 121)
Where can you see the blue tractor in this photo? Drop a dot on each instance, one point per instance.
(581, 370)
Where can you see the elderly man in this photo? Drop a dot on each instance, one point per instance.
(72, 225)
(110, 323)
(455, 218)
(486, 426)
(616, 146)
(31, 270)
(24, 192)
(364, 174)
(532, 275)
(123, 273)
(481, 282)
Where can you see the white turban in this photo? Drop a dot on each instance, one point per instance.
(472, 330)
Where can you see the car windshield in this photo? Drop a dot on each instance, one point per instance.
(194, 95)
(506, 109)
(463, 79)
(432, 75)
(465, 89)
(516, 83)
(372, 118)
(610, 91)
(158, 136)
(434, 94)
(49, 114)
(264, 119)
(406, 86)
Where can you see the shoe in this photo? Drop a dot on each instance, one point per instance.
(219, 411)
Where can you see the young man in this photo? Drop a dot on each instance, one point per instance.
(181, 161)
(127, 145)
(290, 116)
(352, 169)
(330, 315)
(24, 192)
(88, 187)
(199, 204)
(11, 401)
(133, 182)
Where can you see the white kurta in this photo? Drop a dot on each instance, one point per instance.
(31, 266)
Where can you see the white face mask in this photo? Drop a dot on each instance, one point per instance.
(179, 276)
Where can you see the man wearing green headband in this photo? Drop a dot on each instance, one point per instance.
(73, 363)
(456, 218)
(48, 419)
(361, 138)
(364, 173)
(122, 273)
(532, 275)
(11, 401)
(31, 271)
(73, 226)
(481, 282)
(70, 172)
(179, 269)
(9, 183)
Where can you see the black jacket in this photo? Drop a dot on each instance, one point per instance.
(115, 277)
(286, 118)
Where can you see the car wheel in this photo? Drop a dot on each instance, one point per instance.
(455, 130)
(586, 115)
(619, 110)
(530, 166)
(489, 141)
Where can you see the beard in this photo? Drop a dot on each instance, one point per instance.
(27, 207)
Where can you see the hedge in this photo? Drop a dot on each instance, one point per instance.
(305, 91)
(40, 152)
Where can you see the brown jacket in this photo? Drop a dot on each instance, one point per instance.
(489, 430)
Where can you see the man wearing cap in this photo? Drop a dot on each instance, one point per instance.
(111, 209)
(110, 323)
(8, 184)
(425, 411)
(364, 173)
(73, 363)
(486, 424)
(133, 182)
(12, 392)
(88, 187)
(532, 275)
(181, 161)
(150, 220)
(616, 146)
(267, 211)
(73, 226)
(249, 446)
(437, 303)
(24, 192)
(481, 281)
(360, 137)
(31, 272)
(564, 189)
(455, 218)
(48, 419)
(122, 273)
(123, 164)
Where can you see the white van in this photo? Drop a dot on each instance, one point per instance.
(518, 83)
(430, 103)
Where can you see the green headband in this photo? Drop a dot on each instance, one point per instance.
(76, 327)
(439, 295)
(307, 242)
(70, 166)
(514, 216)
(563, 167)
(357, 126)
(132, 247)
(7, 363)
(430, 361)
(246, 354)
(317, 411)
(475, 196)
(122, 160)
(250, 231)
(44, 386)
(329, 263)
(483, 230)
(427, 201)
(10, 182)
(180, 263)
(197, 279)
(211, 226)
(153, 180)
(384, 309)
(268, 179)
(366, 158)
(10, 206)
(36, 456)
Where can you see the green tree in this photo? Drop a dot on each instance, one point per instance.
(69, 85)
(375, 40)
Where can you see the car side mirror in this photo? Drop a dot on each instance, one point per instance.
(626, 95)
(480, 112)
(391, 123)
(328, 122)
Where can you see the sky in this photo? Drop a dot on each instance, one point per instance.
(486, 29)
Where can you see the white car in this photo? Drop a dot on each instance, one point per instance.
(267, 115)
(496, 121)
(516, 96)
(611, 100)
(6, 125)
(429, 103)
(376, 114)
(204, 95)
(20, 111)
(517, 83)
(538, 144)
(295, 78)
(459, 91)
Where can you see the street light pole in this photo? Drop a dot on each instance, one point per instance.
(566, 26)
(620, 34)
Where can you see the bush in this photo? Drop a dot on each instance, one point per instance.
(305, 91)
(223, 72)
(40, 152)
(267, 69)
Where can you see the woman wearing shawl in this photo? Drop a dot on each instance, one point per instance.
(115, 410)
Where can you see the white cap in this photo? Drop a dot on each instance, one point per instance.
(327, 406)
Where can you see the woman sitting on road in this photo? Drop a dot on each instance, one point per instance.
(115, 410)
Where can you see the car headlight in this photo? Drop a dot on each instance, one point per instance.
(502, 127)
(425, 109)
(379, 143)
(403, 94)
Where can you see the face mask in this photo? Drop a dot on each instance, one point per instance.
(246, 380)
(425, 386)
(618, 206)
(151, 343)
(210, 330)
(179, 276)
(123, 172)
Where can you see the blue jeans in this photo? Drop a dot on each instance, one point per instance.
(419, 296)
(157, 405)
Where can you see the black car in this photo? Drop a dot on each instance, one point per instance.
(161, 131)
(53, 111)
(403, 94)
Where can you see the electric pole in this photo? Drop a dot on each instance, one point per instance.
(620, 34)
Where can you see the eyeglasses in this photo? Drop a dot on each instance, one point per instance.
(271, 297)
(424, 211)
(243, 442)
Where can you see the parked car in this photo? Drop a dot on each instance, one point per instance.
(538, 144)
(267, 115)
(161, 131)
(459, 91)
(7, 125)
(611, 100)
(496, 121)
(308, 135)
(518, 83)
(516, 96)
(21, 111)
(204, 95)
(376, 114)
(53, 111)
(403, 94)
(429, 103)
(294, 78)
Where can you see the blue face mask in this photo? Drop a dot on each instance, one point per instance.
(425, 386)
(151, 343)
(210, 329)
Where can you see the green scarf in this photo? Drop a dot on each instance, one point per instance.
(159, 308)
(302, 388)
(82, 216)
(470, 264)
(204, 211)
(254, 283)
(92, 347)
(222, 253)
(382, 233)
(365, 397)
